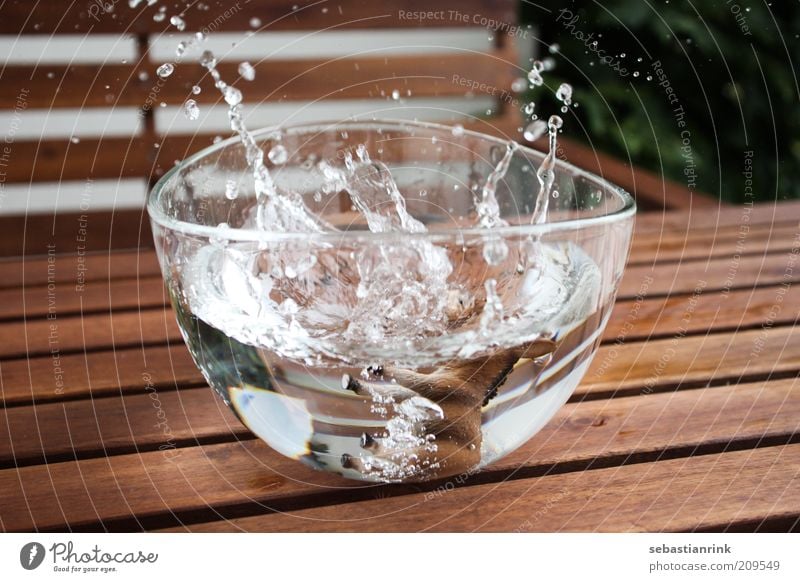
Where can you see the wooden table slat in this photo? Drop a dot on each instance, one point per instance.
(701, 492)
(192, 479)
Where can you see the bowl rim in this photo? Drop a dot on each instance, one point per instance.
(627, 209)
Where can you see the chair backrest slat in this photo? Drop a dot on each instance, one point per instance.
(93, 16)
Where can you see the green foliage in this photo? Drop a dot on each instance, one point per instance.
(739, 91)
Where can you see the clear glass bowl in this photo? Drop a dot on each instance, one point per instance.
(390, 356)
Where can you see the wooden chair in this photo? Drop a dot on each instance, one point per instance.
(426, 73)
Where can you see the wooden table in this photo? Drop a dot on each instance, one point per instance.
(688, 420)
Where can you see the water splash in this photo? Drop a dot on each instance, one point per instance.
(495, 250)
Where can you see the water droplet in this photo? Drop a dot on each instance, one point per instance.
(247, 71)
(555, 194)
(622, 55)
(51, 75)
(178, 23)
(191, 110)
(278, 154)
(143, 75)
(74, 139)
(199, 36)
(396, 95)
(564, 93)
(165, 70)
(535, 78)
(231, 190)
(529, 108)
(649, 77)
(534, 130)
(255, 22)
(232, 95)
(554, 123)
(180, 49)
(458, 130)
(159, 16)
(196, 90)
(208, 60)
(554, 48)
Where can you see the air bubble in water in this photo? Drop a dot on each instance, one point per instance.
(178, 23)
(458, 130)
(247, 71)
(231, 189)
(278, 154)
(191, 110)
(535, 130)
(165, 70)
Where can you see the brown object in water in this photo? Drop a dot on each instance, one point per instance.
(461, 391)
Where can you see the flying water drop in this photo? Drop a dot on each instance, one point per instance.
(247, 71)
(278, 154)
(178, 22)
(191, 110)
(165, 70)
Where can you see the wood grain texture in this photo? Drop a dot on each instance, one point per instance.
(145, 421)
(32, 271)
(94, 374)
(36, 233)
(248, 473)
(362, 77)
(51, 17)
(694, 361)
(677, 495)
(73, 297)
(724, 241)
(71, 334)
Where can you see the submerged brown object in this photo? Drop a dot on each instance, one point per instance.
(449, 432)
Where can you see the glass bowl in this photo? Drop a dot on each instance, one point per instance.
(403, 336)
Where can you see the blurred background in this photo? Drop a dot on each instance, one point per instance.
(681, 103)
(733, 65)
